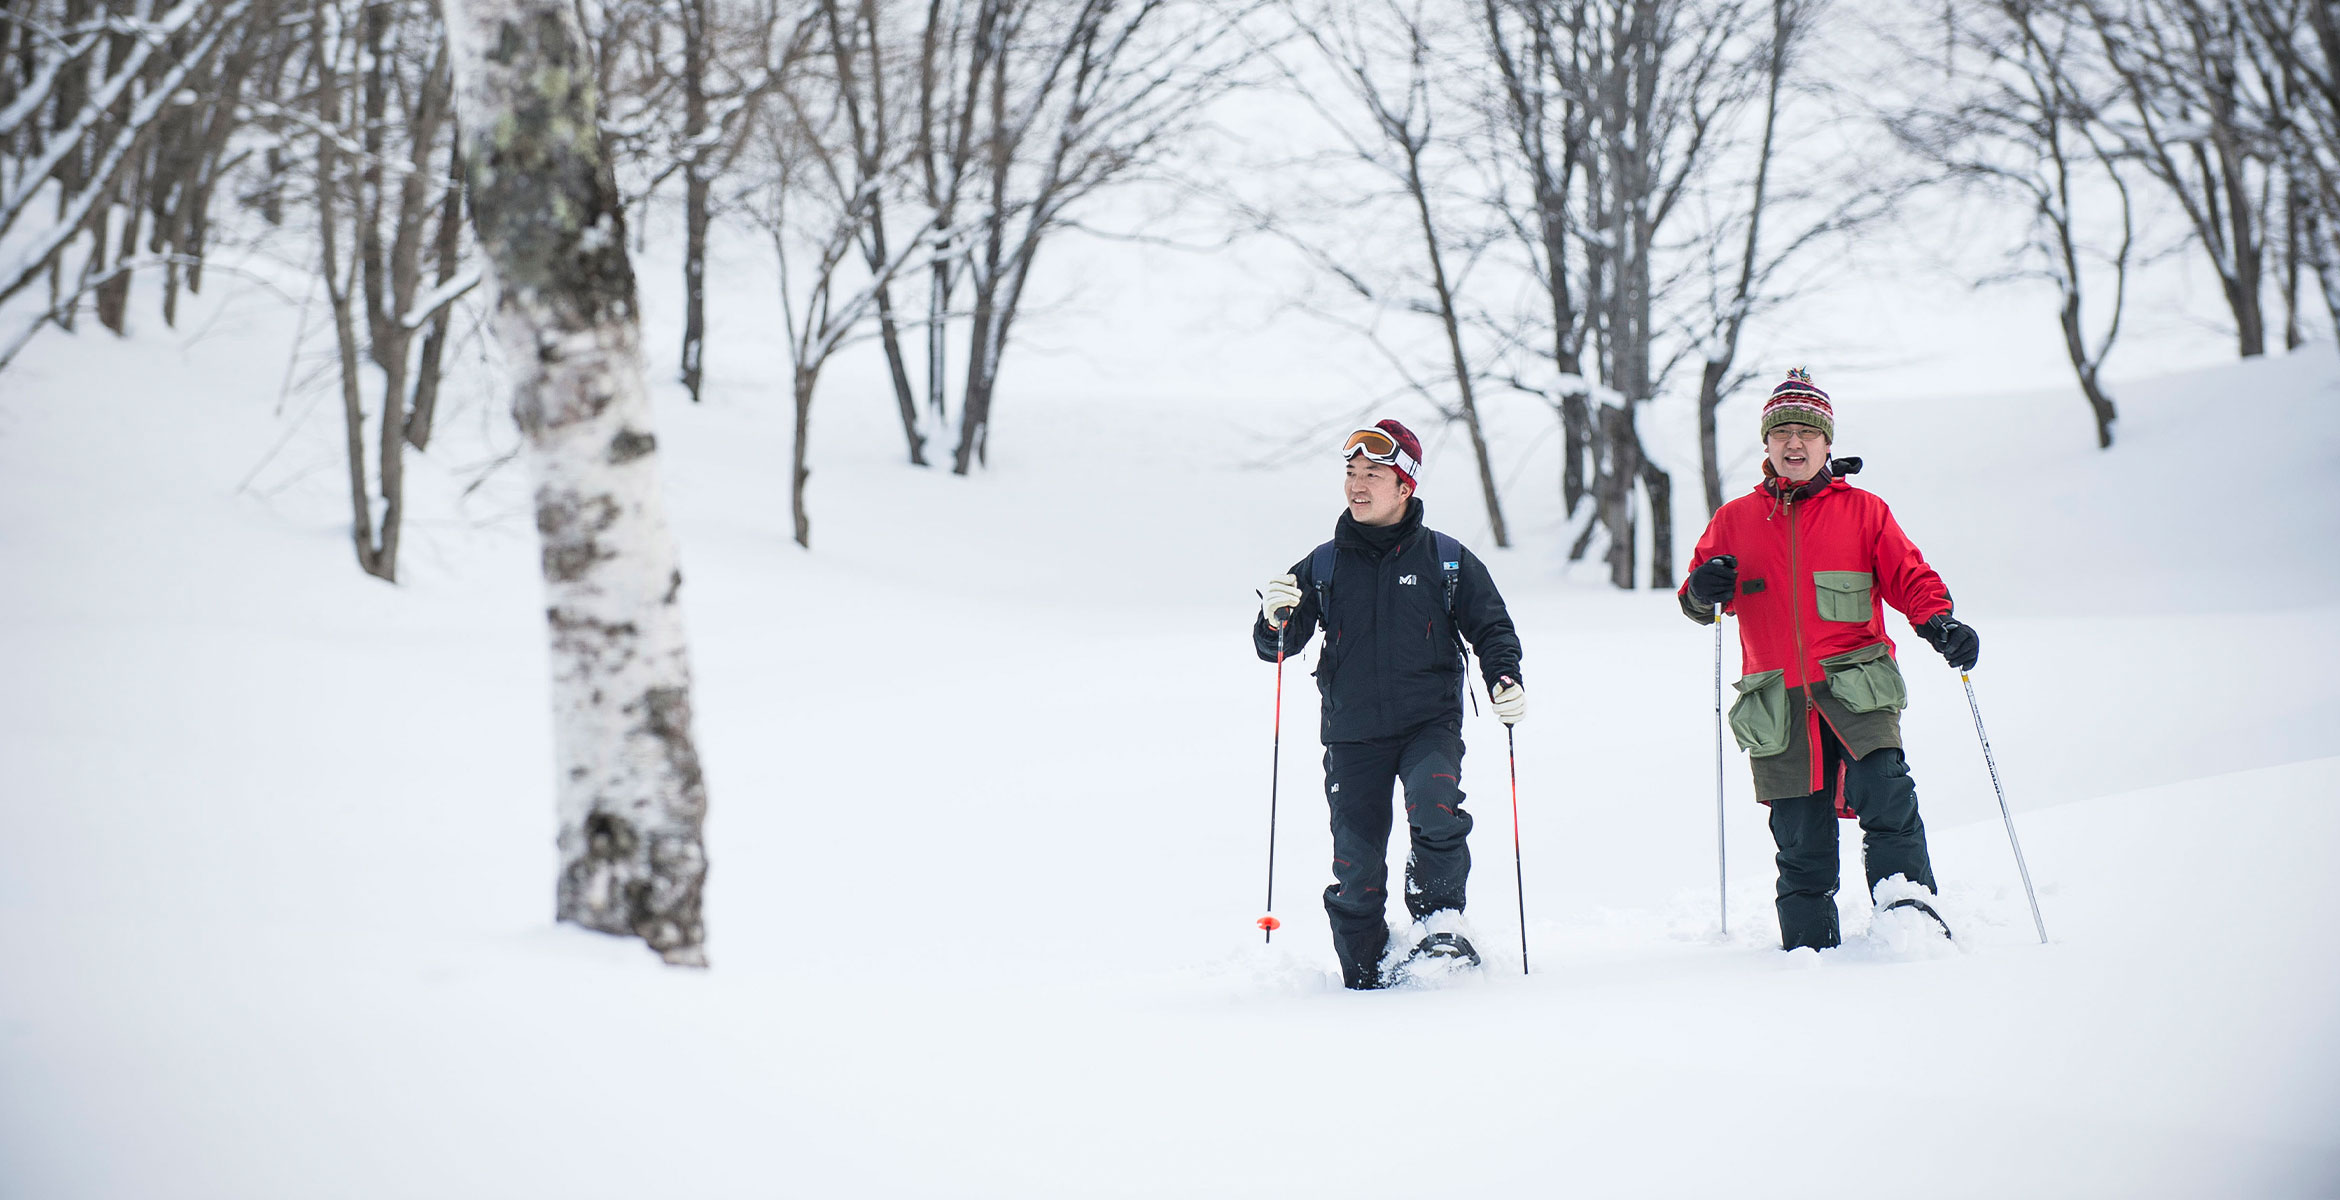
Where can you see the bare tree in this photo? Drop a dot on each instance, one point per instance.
(859, 53)
(957, 44)
(384, 160)
(545, 204)
(1074, 95)
(1544, 124)
(93, 119)
(1390, 70)
(1817, 202)
(2188, 93)
(696, 189)
(1715, 378)
(1643, 97)
(347, 98)
(1605, 133)
(825, 197)
(1667, 78)
(2024, 122)
(2299, 41)
(682, 80)
(718, 103)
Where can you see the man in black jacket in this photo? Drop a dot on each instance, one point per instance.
(1395, 611)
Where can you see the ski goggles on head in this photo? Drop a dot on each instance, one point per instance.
(1377, 446)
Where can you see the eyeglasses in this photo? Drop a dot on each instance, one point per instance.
(1377, 446)
(1794, 433)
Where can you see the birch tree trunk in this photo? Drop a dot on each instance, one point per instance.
(545, 204)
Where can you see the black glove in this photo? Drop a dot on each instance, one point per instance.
(1959, 644)
(1715, 579)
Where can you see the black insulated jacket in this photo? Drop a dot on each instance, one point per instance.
(1389, 662)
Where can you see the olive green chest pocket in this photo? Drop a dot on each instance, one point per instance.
(1759, 717)
(1844, 595)
(1866, 680)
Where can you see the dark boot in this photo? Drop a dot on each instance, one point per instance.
(1361, 952)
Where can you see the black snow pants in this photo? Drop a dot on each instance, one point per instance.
(1358, 784)
(1879, 791)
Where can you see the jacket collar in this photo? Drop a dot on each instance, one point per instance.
(1379, 539)
(1781, 490)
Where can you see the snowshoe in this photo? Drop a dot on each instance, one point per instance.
(1434, 960)
(1923, 907)
(1446, 946)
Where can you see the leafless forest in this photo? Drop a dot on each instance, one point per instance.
(1590, 202)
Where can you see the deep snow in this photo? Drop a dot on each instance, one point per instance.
(988, 773)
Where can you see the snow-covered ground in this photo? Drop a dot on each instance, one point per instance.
(989, 779)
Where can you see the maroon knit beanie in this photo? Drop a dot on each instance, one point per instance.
(1407, 442)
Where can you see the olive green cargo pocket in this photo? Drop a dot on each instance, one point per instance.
(1759, 717)
(1844, 595)
(1866, 680)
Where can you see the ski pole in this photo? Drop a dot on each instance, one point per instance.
(1518, 879)
(1722, 878)
(1268, 923)
(2008, 817)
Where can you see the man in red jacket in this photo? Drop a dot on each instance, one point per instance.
(1806, 562)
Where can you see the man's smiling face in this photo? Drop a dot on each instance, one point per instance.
(1796, 452)
(1373, 491)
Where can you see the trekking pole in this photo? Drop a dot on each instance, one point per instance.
(1722, 870)
(1268, 923)
(1518, 880)
(1988, 761)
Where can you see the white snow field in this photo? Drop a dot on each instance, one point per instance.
(989, 773)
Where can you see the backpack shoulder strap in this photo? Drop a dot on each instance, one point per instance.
(1449, 565)
(1320, 573)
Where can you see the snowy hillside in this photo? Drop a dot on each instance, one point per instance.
(989, 782)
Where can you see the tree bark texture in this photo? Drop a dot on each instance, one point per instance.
(545, 205)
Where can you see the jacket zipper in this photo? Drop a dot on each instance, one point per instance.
(1796, 589)
(1796, 621)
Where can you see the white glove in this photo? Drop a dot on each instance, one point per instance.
(1281, 593)
(1509, 699)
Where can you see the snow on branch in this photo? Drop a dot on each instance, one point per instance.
(428, 306)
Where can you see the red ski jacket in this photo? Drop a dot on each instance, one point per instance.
(1816, 563)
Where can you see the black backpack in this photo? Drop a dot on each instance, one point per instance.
(1320, 571)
